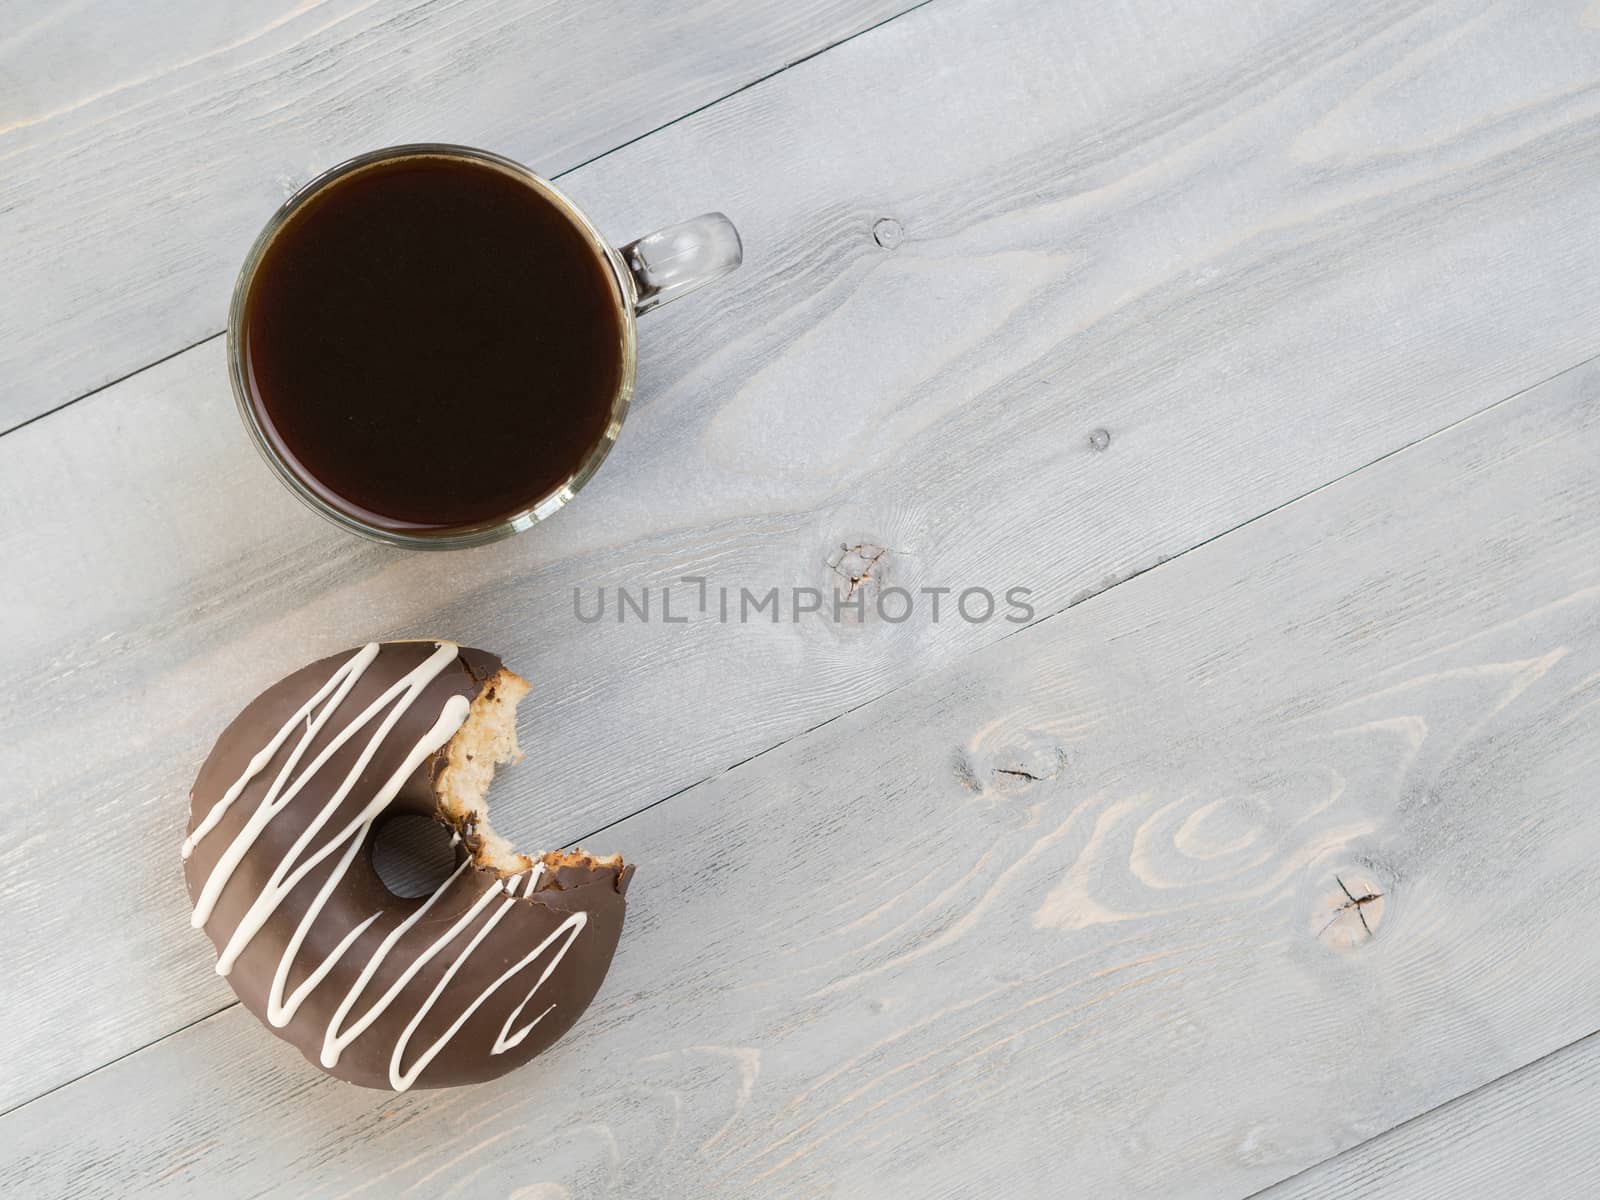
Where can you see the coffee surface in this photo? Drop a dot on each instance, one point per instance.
(432, 343)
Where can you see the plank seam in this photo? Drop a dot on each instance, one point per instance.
(1092, 593)
(1453, 1101)
(111, 383)
(66, 1083)
(683, 116)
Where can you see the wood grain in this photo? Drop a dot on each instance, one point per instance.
(1531, 1133)
(1291, 242)
(1064, 918)
(141, 146)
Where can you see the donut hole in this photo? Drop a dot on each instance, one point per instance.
(412, 855)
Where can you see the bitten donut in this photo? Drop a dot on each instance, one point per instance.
(455, 987)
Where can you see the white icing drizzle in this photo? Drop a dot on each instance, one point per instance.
(287, 875)
(570, 928)
(345, 676)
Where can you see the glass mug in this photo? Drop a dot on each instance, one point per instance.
(643, 275)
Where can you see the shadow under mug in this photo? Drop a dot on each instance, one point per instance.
(649, 272)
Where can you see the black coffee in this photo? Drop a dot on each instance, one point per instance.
(432, 343)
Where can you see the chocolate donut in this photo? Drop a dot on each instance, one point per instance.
(455, 987)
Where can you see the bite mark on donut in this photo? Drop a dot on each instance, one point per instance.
(487, 740)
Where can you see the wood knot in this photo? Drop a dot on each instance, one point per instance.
(1350, 912)
(858, 567)
(1005, 763)
(1099, 439)
(888, 233)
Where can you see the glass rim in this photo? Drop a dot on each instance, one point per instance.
(462, 536)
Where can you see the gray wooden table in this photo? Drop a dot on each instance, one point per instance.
(1256, 340)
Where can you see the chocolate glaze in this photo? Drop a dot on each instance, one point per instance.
(541, 905)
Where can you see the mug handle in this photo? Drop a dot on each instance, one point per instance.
(672, 262)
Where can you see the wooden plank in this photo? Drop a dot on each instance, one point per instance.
(143, 145)
(1065, 918)
(1531, 1133)
(1286, 245)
